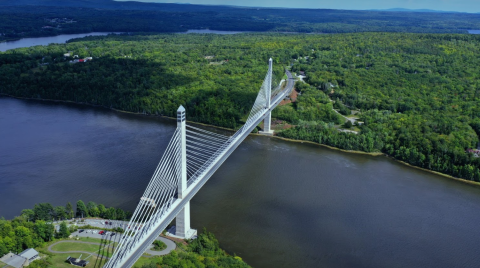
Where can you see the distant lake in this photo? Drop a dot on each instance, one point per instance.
(44, 41)
(474, 31)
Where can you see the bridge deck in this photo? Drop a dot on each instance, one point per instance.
(177, 204)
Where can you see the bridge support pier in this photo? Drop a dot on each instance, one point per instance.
(268, 97)
(182, 228)
(266, 125)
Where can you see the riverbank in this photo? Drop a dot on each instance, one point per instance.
(380, 154)
(256, 134)
(14, 43)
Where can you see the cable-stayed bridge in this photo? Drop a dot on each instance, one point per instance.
(190, 159)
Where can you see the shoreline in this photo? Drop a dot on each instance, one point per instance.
(473, 183)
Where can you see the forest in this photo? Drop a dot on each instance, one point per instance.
(33, 18)
(34, 229)
(202, 252)
(34, 226)
(417, 94)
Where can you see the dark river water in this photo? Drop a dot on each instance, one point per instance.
(273, 203)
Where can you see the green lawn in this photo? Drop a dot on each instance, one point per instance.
(144, 260)
(89, 239)
(97, 240)
(74, 246)
(59, 260)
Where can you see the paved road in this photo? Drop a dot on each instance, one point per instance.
(142, 244)
(94, 234)
(170, 246)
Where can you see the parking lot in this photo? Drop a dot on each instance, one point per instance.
(96, 234)
(107, 224)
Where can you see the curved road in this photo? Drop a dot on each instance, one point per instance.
(170, 246)
(80, 242)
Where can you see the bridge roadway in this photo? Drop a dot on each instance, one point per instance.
(178, 204)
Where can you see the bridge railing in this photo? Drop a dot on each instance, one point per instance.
(169, 204)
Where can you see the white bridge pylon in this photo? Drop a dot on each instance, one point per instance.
(190, 159)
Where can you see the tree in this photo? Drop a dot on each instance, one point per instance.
(63, 232)
(44, 231)
(348, 124)
(69, 210)
(120, 214)
(3, 248)
(23, 237)
(81, 209)
(94, 212)
(60, 213)
(92, 209)
(28, 214)
(111, 213)
(101, 211)
(43, 211)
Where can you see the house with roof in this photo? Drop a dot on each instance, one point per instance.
(21, 260)
(30, 254)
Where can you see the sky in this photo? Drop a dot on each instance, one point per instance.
(445, 5)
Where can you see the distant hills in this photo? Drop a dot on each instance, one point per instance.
(415, 10)
(171, 7)
(29, 18)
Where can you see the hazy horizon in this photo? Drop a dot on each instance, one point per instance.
(440, 5)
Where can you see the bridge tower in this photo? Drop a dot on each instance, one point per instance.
(268, 95)
(182, 228)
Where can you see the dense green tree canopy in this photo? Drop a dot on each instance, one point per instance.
(417, 94)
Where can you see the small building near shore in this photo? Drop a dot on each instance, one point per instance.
(20, 260)
(30, 254)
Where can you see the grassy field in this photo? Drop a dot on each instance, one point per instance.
(96, 240)
(89, 239)
(75, 246)
(144, 260)
(60, 260)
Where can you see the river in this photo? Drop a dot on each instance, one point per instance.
(44, 41)
(60, 39)
(273, 203)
